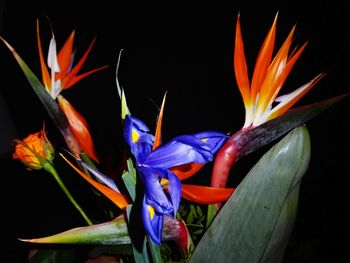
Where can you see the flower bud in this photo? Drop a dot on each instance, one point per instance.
(34, 150)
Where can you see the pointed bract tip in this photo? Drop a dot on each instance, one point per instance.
(276, 16)
(7, 44)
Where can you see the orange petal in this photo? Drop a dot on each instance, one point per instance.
(291, 62)
(44, 71)
(71, 78)
(205, 194)
(158, 133)
(240, 66)
(263, 60)
(65, 56)
(272, 82)
(115, 197)
(298, 94)
(75, 79)
(79, 127)
(186, 170)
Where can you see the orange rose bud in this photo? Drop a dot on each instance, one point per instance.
(34, 150)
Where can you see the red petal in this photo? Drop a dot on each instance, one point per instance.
(186, 170)
(205, 194)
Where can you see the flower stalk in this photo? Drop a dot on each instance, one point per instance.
(49, 168)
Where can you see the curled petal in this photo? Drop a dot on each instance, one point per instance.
(182, 149)
(154, 192)
(137, 137)
(174, 188)
(213, 139)
(153, 222)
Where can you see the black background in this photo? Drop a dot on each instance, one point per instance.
(187, 51)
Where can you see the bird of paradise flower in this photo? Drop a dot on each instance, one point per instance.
(260, 96)
(60, 73)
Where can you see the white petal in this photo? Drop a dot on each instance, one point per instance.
(52, 61)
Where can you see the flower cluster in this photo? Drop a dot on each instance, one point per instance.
(170, 209)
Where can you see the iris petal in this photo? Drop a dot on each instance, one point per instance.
(137, 137)
(181, 150)
(174, 188)
(213, 139)
(154, 191)
(152, 225)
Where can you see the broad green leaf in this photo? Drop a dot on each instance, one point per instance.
(280, 236)
(53, 256)
(254, 224)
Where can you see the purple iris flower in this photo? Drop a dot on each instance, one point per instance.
(154, 165)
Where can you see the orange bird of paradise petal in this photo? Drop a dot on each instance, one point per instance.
(63, 75)
(268, 78)
(117, 198)
(79, 127)
(205, 194)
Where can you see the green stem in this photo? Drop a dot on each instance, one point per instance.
(48, 167)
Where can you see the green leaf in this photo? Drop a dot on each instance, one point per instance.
(254, 224)
(55, 113)
(143, 247)
(140, 255)
(155, 251)
(49, 103)
(129, 179)
(53, 256)
(212, 210)
(113, 232)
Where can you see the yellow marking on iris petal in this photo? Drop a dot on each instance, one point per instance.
(151, 211)
(204, 139)
(134, 136)
(164, 182)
